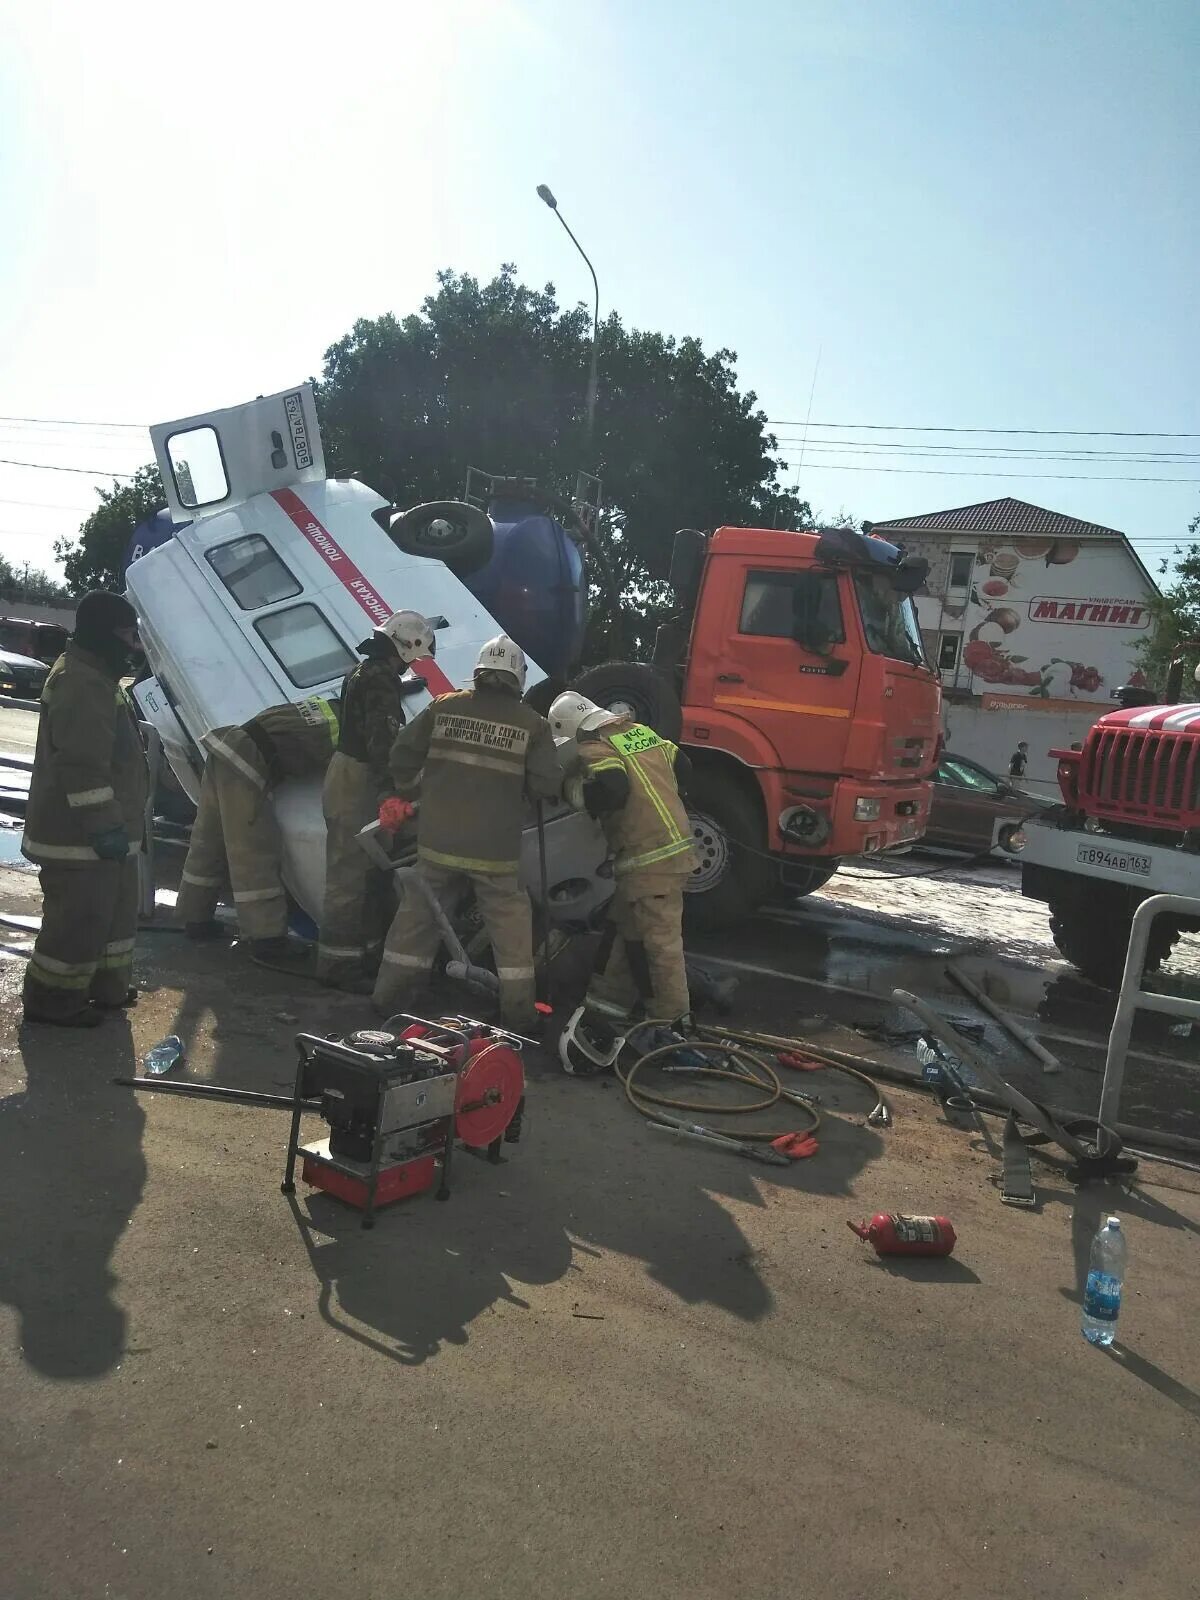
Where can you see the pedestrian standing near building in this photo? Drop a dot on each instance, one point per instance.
(1019, 760)
(477, 755)
(356, 783)
(84, 822)
(628, 778)
(235, 835)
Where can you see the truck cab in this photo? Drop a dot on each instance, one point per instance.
(273, 576)
(809, 711)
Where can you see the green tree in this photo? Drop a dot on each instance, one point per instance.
(1175, 613)
(93, 560)
(494, 376)
(31, 585)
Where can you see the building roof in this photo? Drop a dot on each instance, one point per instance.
(998, 516)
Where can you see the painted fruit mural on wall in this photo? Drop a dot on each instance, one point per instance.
(1024, 591)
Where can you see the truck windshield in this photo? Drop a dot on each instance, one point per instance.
(889, 619)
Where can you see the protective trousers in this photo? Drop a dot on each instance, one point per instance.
(84, 950)
(414, 937)
(235, 830)
(350, 800)
(641, 952)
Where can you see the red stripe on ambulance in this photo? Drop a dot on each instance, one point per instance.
(351, 579)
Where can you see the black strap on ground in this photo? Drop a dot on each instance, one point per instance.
(1016, 1187)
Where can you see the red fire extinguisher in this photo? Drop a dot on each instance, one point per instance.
(907, 1236)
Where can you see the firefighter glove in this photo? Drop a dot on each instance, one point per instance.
(111, 845)
(394, 813)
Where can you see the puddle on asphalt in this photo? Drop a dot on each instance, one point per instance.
(10, 846)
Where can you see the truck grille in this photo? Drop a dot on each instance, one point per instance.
(1143, 776)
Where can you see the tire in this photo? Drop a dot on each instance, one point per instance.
(637, 691)
(543, 695)
(1091, 930)
(730, 883)
(465, 546)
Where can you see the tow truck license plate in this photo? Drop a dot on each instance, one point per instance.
(1092, 855)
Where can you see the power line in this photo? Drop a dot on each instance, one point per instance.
(87, 472)
(63, 422)
(999, 452)
(942, 472)
(44, 505)
(912, 427)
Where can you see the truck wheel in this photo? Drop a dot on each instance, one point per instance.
(543, 694)
(452, 531)
(729, 882)
(633, 690)
(1092, 932)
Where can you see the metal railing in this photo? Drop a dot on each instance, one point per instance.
(1133, 997)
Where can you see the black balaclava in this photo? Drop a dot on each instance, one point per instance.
(97, 618)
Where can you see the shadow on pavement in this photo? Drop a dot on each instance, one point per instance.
(71, 1175)
(1187, 1399)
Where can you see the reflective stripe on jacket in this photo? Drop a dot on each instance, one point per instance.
(294, 740)
(475, 754)
(89, 768)
(651, 829)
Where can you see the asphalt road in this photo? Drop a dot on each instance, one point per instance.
(612, 1366)
(18, 730)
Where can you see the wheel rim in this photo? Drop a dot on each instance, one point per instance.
(712, 853)
(622, 708)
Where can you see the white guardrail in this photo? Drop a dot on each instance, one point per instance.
(1133, 997)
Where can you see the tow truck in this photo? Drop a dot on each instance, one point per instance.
(793, 672)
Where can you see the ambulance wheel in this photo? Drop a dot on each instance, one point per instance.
(731, 878)
(452, 531)
(1092, 931)
(633, 690)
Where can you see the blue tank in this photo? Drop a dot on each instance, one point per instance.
(534, 585)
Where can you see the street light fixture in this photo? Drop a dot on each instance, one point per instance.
(544, 194)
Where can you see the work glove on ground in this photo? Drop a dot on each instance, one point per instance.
(111, 845)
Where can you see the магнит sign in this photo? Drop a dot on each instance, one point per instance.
(1101, 613)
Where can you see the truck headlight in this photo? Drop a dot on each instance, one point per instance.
(867, 810)
(1012, 838)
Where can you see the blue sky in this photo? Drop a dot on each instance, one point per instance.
(978, 215)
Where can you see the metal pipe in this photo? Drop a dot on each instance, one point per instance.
(215, 1091)
(1050, 1063)
(1131, 996)
(1021, 1104)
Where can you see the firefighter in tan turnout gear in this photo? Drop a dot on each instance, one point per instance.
(84, 822)
(235, 833)
(477, 755)
(628, 778)
(372, 713)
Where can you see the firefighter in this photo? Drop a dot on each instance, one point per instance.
(235, 833)
(84, 822)
(628, 779)
(356, 783)
(477, 753)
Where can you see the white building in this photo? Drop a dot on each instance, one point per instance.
(1032, 617)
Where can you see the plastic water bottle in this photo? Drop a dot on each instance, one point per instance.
(167, 1053)
(1106, 1274)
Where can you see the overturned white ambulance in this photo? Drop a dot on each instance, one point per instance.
(273, 575)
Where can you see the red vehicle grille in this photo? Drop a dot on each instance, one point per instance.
(1142, 776)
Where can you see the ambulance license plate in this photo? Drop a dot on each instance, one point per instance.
(1094, 855)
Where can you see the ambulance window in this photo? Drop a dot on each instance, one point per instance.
(197, 467)
(305, 646)
(252, 572)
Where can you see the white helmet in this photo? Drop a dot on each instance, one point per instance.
(573, 713)
(409, 633)
(502, 655)
(588, 1044)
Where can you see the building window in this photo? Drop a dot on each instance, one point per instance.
(948, 647)
(252, 572)
(962, 566)
(305, 646)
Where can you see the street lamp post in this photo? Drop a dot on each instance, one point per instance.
(545, 194)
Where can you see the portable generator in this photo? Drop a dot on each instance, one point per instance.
(396, 1102)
